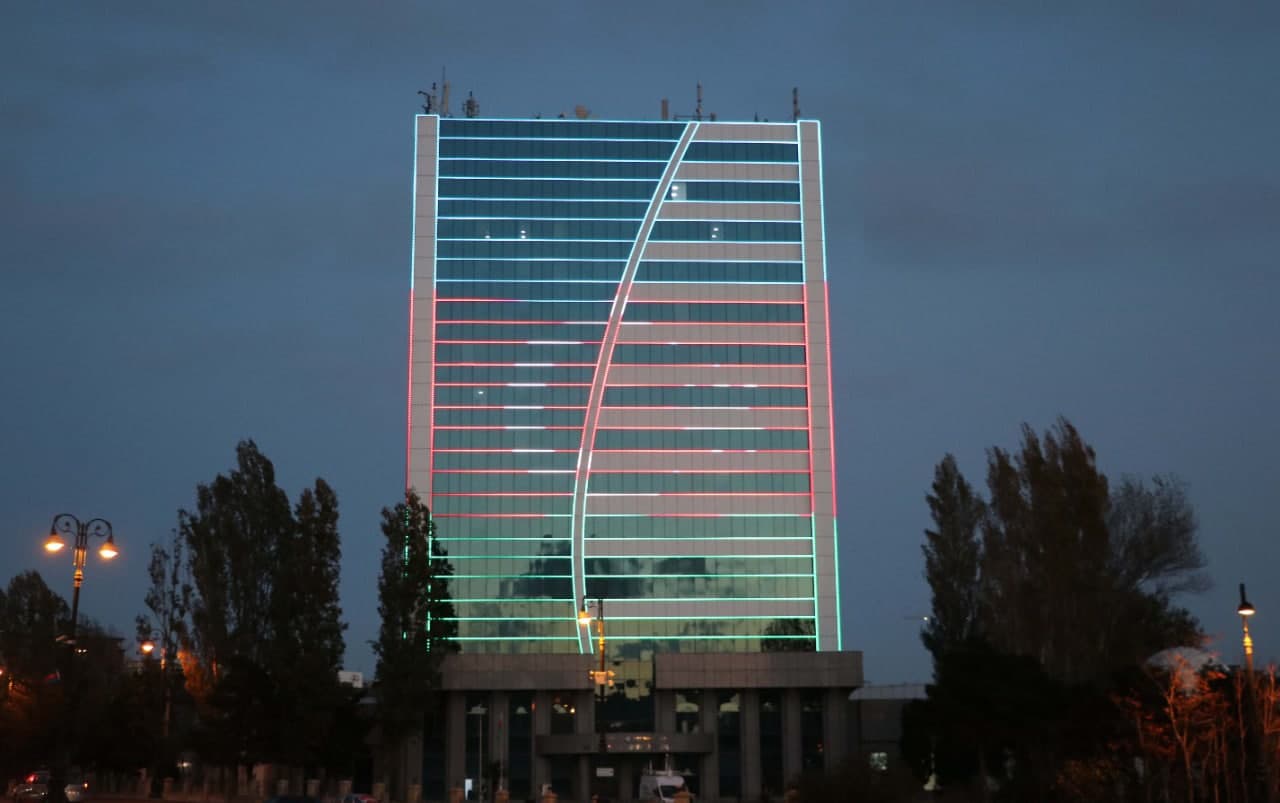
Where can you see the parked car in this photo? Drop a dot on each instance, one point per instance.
(358, 797)
(35, 788)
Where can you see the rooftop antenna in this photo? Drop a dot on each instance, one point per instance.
(471, 106)
(697, 112)
(430, 106)
(795, 103)
(666, 109)
(444, 92)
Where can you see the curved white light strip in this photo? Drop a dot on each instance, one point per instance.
(596, 396)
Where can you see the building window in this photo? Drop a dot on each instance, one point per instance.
(728, 744)
(519, 769)
(688, 716)
(562, 714)
(477, 740)
(771, 742)
(812, 748)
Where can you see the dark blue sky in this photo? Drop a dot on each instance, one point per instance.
(204, 236)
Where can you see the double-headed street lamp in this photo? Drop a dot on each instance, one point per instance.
(67, 524)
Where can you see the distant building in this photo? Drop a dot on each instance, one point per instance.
(877, 720)
(353, 679)
(620, 392)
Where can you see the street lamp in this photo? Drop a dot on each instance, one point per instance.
(601, 676)
(1253, 729)
(69, 525)
(147, 647)
(1245, 609)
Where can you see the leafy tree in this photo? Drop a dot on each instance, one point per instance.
(31, 692)
(31, 617)
(952, 558)
(1042, 592)
(1057, 566)
(168, 599)
(232, 540)
(307, 641)
(418, 626)
(265, 630)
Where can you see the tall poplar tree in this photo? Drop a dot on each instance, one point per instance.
(418, 627)
(265, 627)
(952, 557)
(1057, 565)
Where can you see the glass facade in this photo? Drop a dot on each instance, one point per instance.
(618, 381)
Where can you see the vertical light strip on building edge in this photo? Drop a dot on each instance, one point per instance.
(413, 251)
(808, 383)
(831, 427)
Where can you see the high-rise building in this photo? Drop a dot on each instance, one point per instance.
(620, 398)
(620, 381)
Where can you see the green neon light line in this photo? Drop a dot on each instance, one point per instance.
(645, 600)
(510, 638)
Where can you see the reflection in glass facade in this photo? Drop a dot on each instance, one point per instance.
(619, 382)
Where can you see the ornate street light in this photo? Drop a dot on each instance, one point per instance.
(65, 524)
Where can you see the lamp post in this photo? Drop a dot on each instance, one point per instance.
(602, 677)
(1253, 730)
(479, 711)
(1245, 609)
(147, 647)
(69, 525)
(65, 524)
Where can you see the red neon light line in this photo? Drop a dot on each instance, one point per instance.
(502, 493)
(734, 342)
(521, 342)
(507, 451)
(526, 384)
(408, 416)
(808, 381)
(502, 428)
(512, 365)
(713, 301)
(663, 494)
(494, 515)
(519, 472)
(734, 365)
(531, 408)
(719, 409)
(698, 429)
(522, 322)
(830, 397)
(723, 472)
(711, 323)
(728, 472)
(693, 451)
